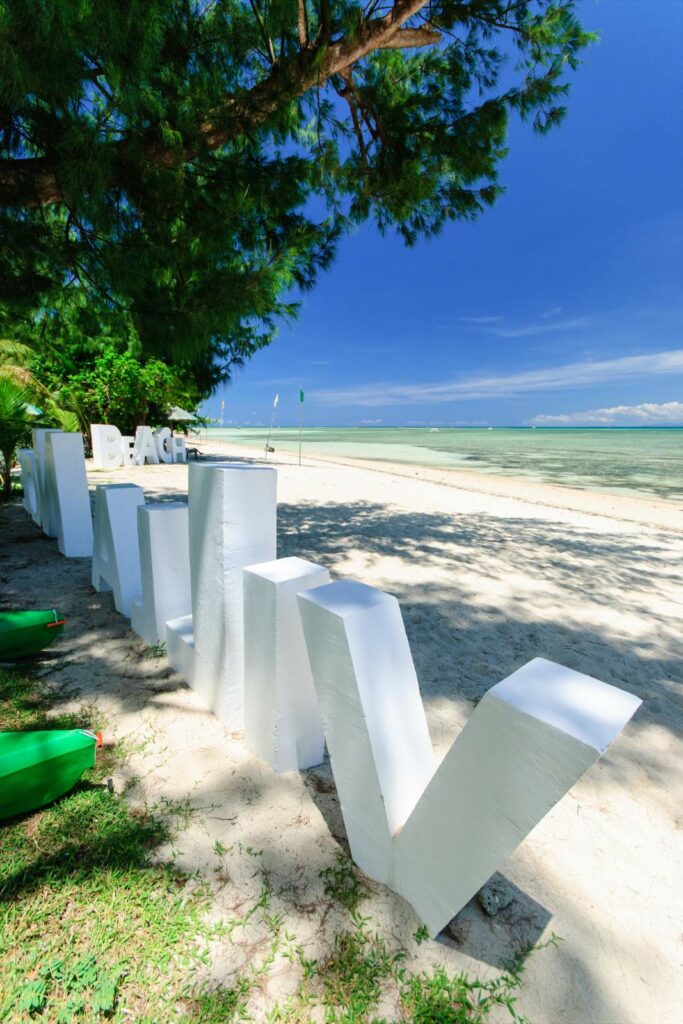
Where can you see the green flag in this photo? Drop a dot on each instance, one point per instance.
(301, 394)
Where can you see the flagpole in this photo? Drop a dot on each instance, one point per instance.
(301, 418)
(270, 429)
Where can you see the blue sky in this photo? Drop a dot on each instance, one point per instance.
(561, 305)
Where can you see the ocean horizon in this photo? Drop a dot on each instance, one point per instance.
(644, 460)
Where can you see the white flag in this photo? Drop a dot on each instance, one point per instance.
(277, 399)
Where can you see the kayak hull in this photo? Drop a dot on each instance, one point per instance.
(38, 767)
(25, 633)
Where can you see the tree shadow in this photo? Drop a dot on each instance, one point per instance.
(488, 594)
(493, 940)
(84, 831)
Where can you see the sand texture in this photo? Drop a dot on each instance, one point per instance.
(489, 575)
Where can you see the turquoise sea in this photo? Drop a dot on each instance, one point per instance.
(645, 461)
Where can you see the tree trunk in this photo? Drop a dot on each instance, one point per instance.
(8, 459)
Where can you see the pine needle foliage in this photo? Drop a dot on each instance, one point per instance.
(191, 164)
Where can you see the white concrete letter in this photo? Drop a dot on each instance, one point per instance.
(45, 504)
(116, 559)
(106, 446)
(527, 742)
(180, 647)
(163, 441)
(29, 482)
(232, 524)
(68, 499)
(370, 702)
(178, 448)
(145, 448)
(128, 456)
(282, 723)
(164, 542)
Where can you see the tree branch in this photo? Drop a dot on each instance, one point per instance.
(408, 38)
(31, 181)
(349, 94)
(325, 21)
(302, 23)
(264, 33)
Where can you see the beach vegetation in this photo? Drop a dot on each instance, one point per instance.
(120, 389)
(344, 883)
(94, 927)
(179, 172)
(16, 423)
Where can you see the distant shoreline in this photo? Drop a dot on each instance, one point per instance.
(644, 463)
(449, 426)
(654, 512)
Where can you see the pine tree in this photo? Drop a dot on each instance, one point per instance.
(189, 165)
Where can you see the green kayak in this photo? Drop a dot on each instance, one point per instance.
(37, 767)
(25, 633)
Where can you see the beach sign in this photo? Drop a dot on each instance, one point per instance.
(116, 556)
(164, 547)
(64, 500)
(232, 524)
(282, 722)
(111, 449)
(437, 834)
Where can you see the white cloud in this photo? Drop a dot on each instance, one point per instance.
(371, 423)
(478, 320)
(571, 375)
(646, 414)
(532, 330)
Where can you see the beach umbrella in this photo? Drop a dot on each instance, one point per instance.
(178, 415)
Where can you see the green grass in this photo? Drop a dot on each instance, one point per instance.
(92, 929)
(89, 929)
(343, 883)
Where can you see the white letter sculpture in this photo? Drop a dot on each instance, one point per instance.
(128, 453)
(66, 495)
(29, 483)
(164, 543)
(232, 525)
(437, 836)
(163, 439)
(116, 559)
(178, 448)
(38, 435)
(106, 446)
(282, 722)
(145, 448)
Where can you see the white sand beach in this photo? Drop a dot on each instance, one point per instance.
(490, 573)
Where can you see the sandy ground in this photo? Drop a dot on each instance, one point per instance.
(490, 573)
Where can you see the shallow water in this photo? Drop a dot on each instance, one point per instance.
(628, 460)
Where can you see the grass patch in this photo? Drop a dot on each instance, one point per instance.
(353, 977)
(439, 998)
(362, 974)
(90, 929)
(155, 651)
(343, 883)
(26, 703)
